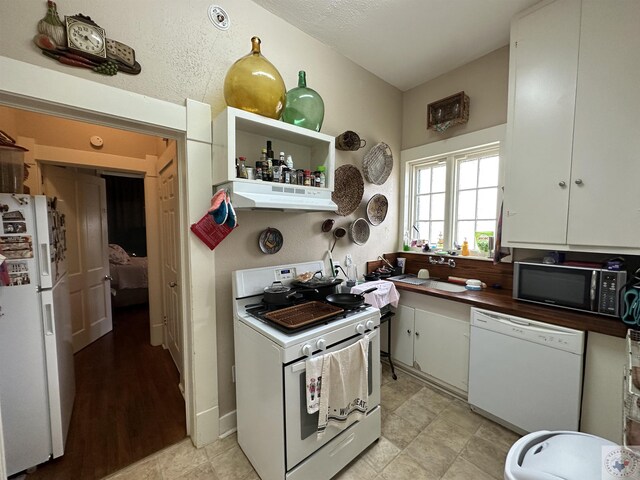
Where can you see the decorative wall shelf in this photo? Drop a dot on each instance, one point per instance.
(447, 112)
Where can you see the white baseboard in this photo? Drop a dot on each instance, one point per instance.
(228, 424)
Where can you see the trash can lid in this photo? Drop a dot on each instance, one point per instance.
(567, 455)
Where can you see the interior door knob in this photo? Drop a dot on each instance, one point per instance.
(172, 284)
(562, 183)
(108, 277)
(579, 181)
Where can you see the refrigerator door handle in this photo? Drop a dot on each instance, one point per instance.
(45, 265)
(48, 319)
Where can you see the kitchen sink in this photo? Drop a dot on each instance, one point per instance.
(429, 283)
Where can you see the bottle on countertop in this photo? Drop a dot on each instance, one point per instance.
(440, 244)
(465, 248)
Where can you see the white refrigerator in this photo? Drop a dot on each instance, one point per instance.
(37, 384)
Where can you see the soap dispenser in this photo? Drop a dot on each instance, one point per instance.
(465, 248)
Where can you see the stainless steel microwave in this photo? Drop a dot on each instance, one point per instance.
(594, 290)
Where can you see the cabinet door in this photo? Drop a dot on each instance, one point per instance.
(402, 335)
(605, 205)
(542, 85)
(441, 348)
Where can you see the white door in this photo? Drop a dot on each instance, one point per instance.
(168, 179)
(542, 84)
(402, 335)
(442, 348)
(605, 206)
(83, 199)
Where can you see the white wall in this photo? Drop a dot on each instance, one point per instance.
(183, 55)
(484, 80)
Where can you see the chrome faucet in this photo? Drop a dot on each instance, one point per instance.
(441, 261)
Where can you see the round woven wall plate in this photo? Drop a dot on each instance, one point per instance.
(378, 163)
(377, 209)
(270, 240)
(348, 189)
(359, 231)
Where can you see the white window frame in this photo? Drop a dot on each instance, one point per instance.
(424, 154)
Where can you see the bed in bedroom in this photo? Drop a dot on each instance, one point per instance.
(130, 280)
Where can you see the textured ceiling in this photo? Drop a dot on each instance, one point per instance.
(404, 42)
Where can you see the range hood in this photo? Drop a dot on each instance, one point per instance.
(278, 196)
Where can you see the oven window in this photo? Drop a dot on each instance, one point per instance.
(309, 421)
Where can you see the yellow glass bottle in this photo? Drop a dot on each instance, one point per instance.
(255, 85)
(465, 248)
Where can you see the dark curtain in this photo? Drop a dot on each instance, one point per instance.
(125, 213)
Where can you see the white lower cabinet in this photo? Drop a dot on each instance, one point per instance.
(431, 336)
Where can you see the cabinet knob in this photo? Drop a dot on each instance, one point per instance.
(562, 184)
(417, 334)
(579, 181)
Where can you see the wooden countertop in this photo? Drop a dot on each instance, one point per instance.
(500, 300)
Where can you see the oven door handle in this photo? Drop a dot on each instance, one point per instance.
(300, 366)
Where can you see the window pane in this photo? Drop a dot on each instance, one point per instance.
(467, 205)
(423, 207)
(437, 228)
(439, 178)
(424, 231)
(486, 226)
(467, 174)
(424, 180)
(489, 171)
(487, 202)
(437, 206)
(466, 230)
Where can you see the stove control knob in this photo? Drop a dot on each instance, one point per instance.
(360, 328)
(321, 344)
(370, 324)
(307, 350)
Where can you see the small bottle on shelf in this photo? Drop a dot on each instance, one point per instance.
(307, 178)
(289, 162)
(242, 167)
(323, 177)
(258, 170)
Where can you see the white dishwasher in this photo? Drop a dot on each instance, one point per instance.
(525, 374)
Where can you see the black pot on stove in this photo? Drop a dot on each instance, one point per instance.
(280, 294)
(317, 287)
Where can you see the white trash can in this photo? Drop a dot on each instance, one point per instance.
(561, 455)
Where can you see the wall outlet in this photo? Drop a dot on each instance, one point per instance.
(336, 270)
(348, 261)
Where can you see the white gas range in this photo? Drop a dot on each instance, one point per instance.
(275, 431)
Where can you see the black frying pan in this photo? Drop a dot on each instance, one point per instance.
(348, 301)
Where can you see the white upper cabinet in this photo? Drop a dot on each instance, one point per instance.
(543, 68)
(572, 136)
(605, 182)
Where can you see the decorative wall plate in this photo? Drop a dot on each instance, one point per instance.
(348, 189)
(377, 209)
(378, 163)
(271, 240)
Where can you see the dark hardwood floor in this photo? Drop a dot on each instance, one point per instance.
(128, 404)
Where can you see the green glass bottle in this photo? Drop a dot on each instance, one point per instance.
(255, 85)
(304, 106)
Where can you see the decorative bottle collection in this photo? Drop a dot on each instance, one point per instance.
(279, 170)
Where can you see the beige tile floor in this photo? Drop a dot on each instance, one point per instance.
(426, 435)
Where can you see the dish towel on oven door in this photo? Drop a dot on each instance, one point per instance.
(344, 398)
(314, 375)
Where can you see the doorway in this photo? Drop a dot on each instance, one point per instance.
(136, 386)
(62, 94)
